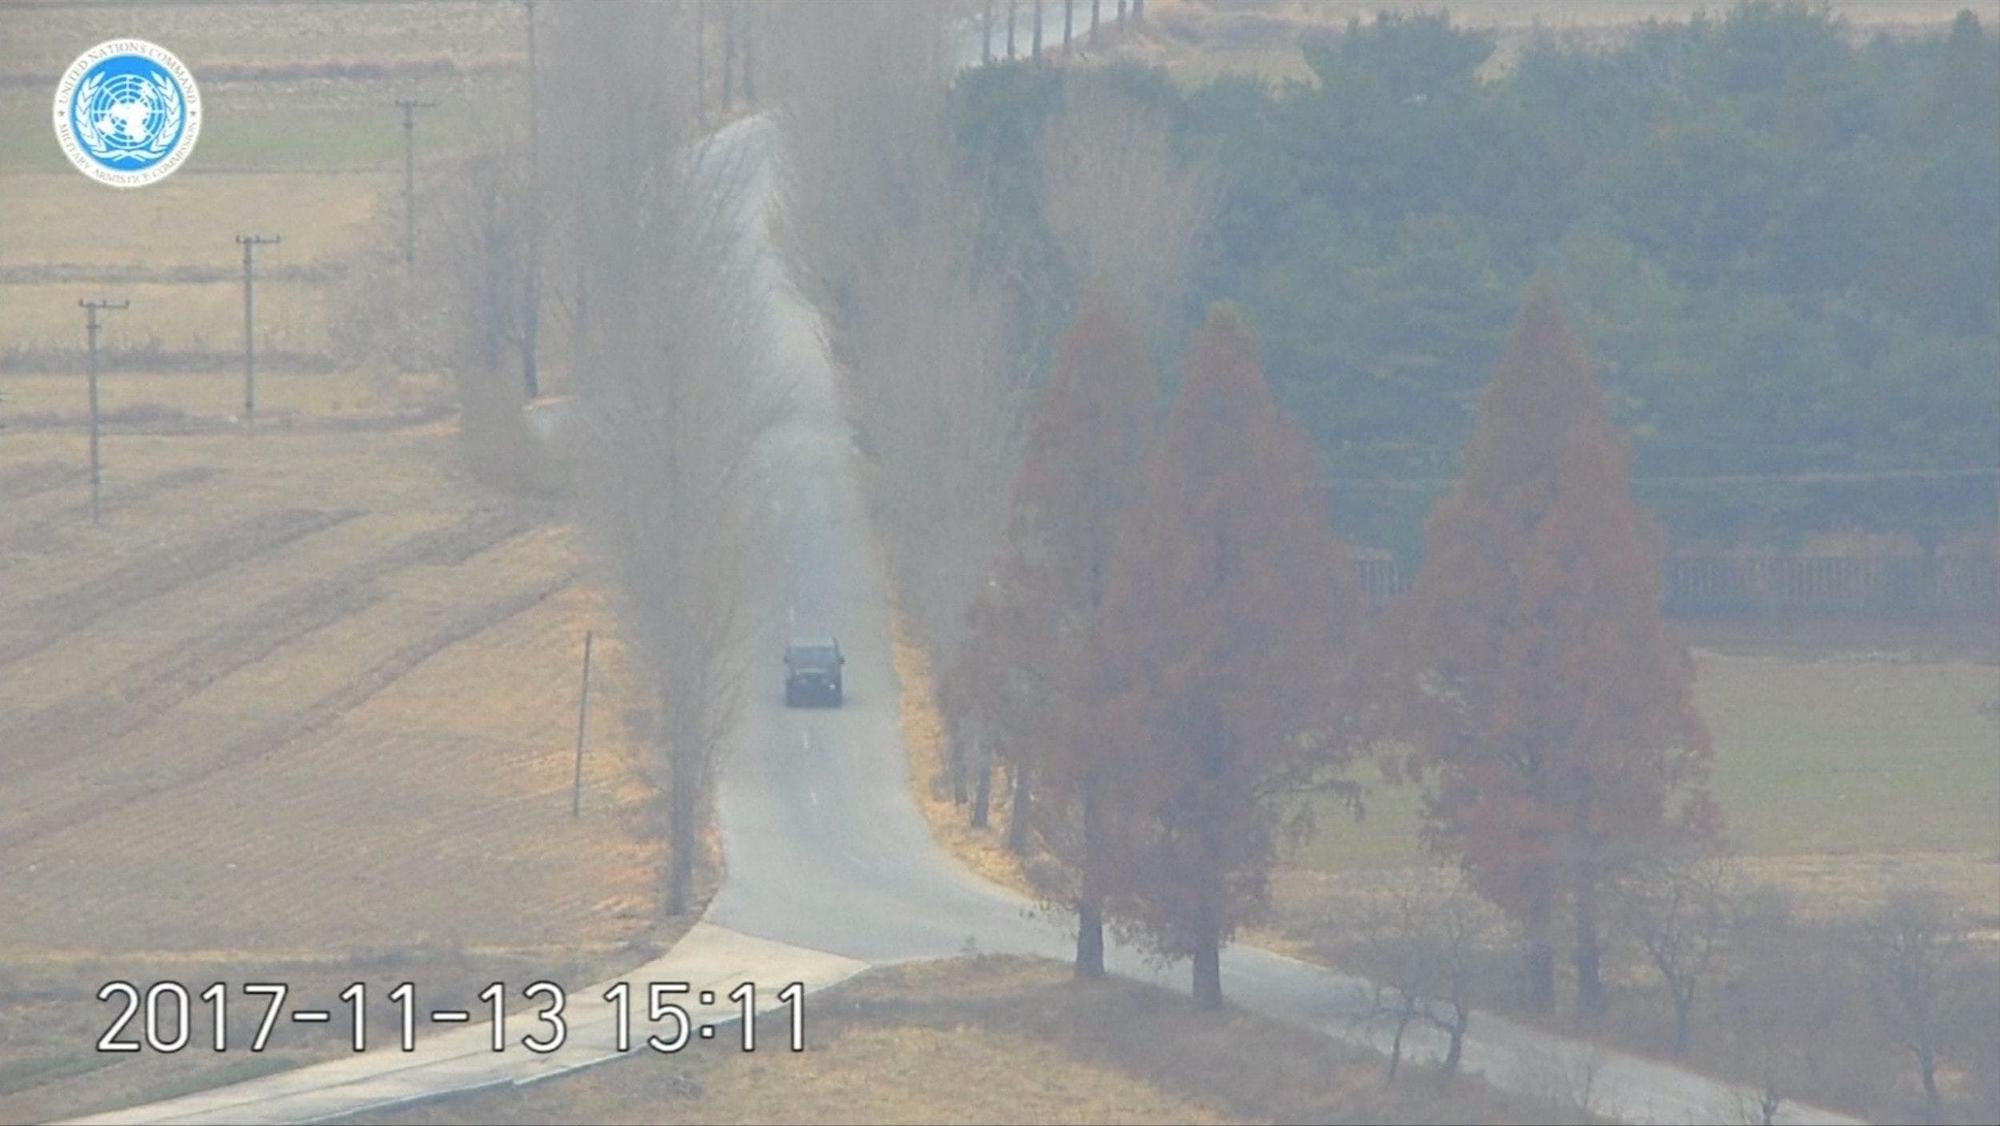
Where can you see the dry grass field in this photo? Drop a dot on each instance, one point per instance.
(304, 703)
(303, 706)
(1001, 1040)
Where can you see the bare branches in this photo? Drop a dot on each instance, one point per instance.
(883, 236)
(673, 381)
(1909, 948)
(1425, 952)
(1676, 905)
(1127, 211)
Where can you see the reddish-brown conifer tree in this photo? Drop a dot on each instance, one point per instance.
(1221, 651)
(1535, 677)
(1085, 452)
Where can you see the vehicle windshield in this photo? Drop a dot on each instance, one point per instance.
(815, 654)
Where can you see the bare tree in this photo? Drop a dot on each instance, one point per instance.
(1676, 906)
(1129, 213)
(481, 248)
(1781, 984)
(1909, 947)
(888, 239)
(673, 383)
(1424, 952)
(862, 91)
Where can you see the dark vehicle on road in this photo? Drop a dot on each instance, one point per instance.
(812, 673)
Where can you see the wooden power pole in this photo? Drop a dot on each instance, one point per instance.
(91, 309)
(250, 243)
(410, 106)
(531, 285)
(582, 722)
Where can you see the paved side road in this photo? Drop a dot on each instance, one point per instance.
(830, 867)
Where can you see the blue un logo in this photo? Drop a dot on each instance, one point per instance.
(127, 113)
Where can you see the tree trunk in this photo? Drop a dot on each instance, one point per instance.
(1017, 814)
(1683, 1006)
(1089, 938)
(1035, 36)
(956, 768)
(1591, 1002)
(1456, 1050)
(1208, 972)
(728, 57)
(701, 62)
(682, 806)
(1933, 1105)
(748, 50)
(1541, 956)
(1396, 1045)
(982, 793)
(1090, 900)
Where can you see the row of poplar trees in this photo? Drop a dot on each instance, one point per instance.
(1176, 649)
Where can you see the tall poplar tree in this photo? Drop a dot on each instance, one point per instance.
(1221, 654)
(1085, 452)
(1536, 679)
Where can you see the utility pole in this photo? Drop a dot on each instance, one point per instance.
(1093, 24)
(91, 308)
(582, 721)
(1069, 24)
(531, 289)
(1010, 29)
(410, 106)
(986, 33)
(250, 243)
(1035, 40)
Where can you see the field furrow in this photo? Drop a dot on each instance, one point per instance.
(46, 533)
(114, 795)
(91, 718)
(21, 482)
(41, 623)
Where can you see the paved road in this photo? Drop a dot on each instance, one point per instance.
(829, 866)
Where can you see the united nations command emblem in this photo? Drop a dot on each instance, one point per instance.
(127, 113)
